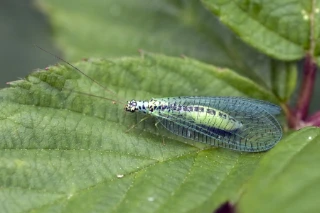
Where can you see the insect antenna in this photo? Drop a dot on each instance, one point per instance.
(81, 72)
(95, 96)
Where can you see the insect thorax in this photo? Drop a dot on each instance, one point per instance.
(173, 110)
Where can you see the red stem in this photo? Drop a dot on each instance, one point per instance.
(309, 75)
(314, 120)
(297, 118)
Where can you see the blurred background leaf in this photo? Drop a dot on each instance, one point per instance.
(22, 24)
(281, 29)
(171, 27)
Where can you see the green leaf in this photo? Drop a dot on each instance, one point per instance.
(176, 27)
(288, 177)
(64, 151)
(280, 29)
(284, 79)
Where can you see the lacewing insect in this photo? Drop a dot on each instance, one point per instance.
(235, 123)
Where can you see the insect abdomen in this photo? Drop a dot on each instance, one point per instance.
(198, 114)
(211, 117)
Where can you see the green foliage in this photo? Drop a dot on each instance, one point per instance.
(268, 25)
(74, 148)
(287, 179)
(108, 28)
(65, 151)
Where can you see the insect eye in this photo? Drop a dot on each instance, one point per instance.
(133, 103)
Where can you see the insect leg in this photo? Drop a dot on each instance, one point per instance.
(156, 124)
(134, 125)
(163, 142)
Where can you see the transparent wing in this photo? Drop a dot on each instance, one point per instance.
(260, 130)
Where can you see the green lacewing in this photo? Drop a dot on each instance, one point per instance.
(236, 123)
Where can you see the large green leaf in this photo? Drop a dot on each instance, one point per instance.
(63, 151)
(174, 27)
(283, 29)
(288, 179)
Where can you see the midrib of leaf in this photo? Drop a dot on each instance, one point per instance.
(312, 20)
